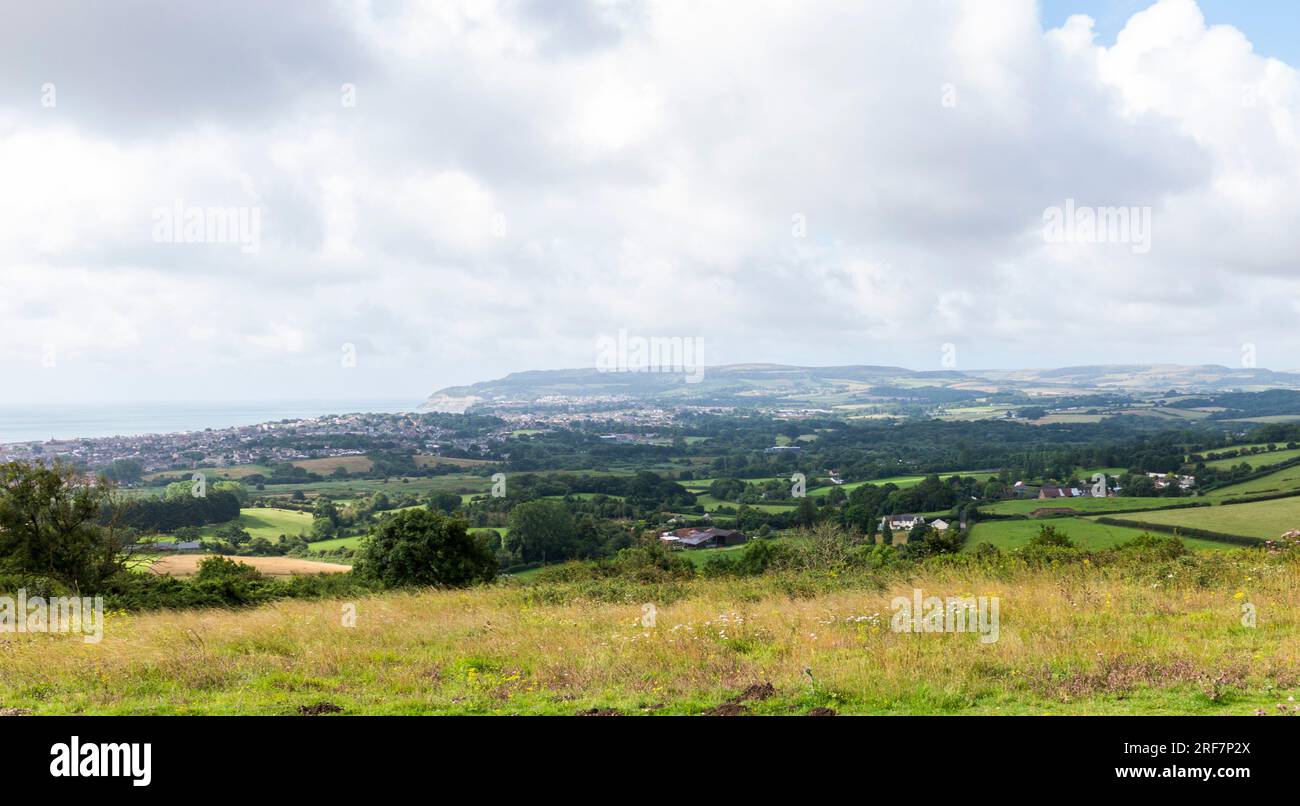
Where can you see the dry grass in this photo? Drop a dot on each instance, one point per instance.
(187, 565)
(1072, 641)
(328, 464)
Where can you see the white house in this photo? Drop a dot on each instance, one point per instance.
(901, 522)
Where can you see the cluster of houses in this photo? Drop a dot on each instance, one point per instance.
(901, 525)
(1162, 481)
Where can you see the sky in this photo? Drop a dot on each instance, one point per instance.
(428, 194)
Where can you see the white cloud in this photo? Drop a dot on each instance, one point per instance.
(517, 178)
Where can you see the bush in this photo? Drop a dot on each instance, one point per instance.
(1049, 536)
(987, 552)
(1159, 547)
(418, 547)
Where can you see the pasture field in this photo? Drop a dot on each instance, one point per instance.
(269, 523)
(1085, 533)
(187, 565)
(328, 464)
(584, 497)
(1216, 453)
(230, 473)
(902, 482)
(695, 485)
(355, 488)
(1082, 505)
(1256, 460)
(972, 412)
(321, 546)
(1264, 519)
(712, 504)
(1278, 481)
(427, 460)
(1071, 640)
(1060, 419)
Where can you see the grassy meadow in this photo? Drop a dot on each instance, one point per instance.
(1263, 519)
(1163, 637)
(1089, 506)
(1283, 480)
(1085, 533)
(268, 522)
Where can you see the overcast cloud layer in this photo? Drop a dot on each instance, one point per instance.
(516, 179)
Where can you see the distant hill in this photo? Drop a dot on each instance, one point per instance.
(777, 384)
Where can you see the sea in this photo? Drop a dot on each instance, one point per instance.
(73, 421)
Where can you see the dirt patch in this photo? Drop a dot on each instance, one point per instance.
(320, 708)
(735, 707)
(819, 711)
(15, 711)
(1048, 512)
(758, 691)
(187, 565)
(600, 712)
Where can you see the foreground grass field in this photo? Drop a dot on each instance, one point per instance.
(1146, 638)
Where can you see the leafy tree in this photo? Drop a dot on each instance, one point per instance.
(235, 488)
(806, 514)
(444, 502)
(540, 530)
(418, 547)
(49, 525)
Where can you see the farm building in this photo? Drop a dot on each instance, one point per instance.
(1052, 491)
(706, 538)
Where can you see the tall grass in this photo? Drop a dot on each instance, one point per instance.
(1079, 634)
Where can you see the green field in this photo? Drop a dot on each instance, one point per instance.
(1085, 505)
(1255, 460)
(335, 543)
(1264, 519)
(1279, 481)
(902, 482)
(268, 523)
(1085, 534)
(414, 485)
(712, 504)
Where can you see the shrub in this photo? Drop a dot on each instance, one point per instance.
(1050, 536)
(418, 547)
(1162, 547)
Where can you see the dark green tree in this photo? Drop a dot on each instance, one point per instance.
(541, 531)
(418, 547)
(50, 525)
